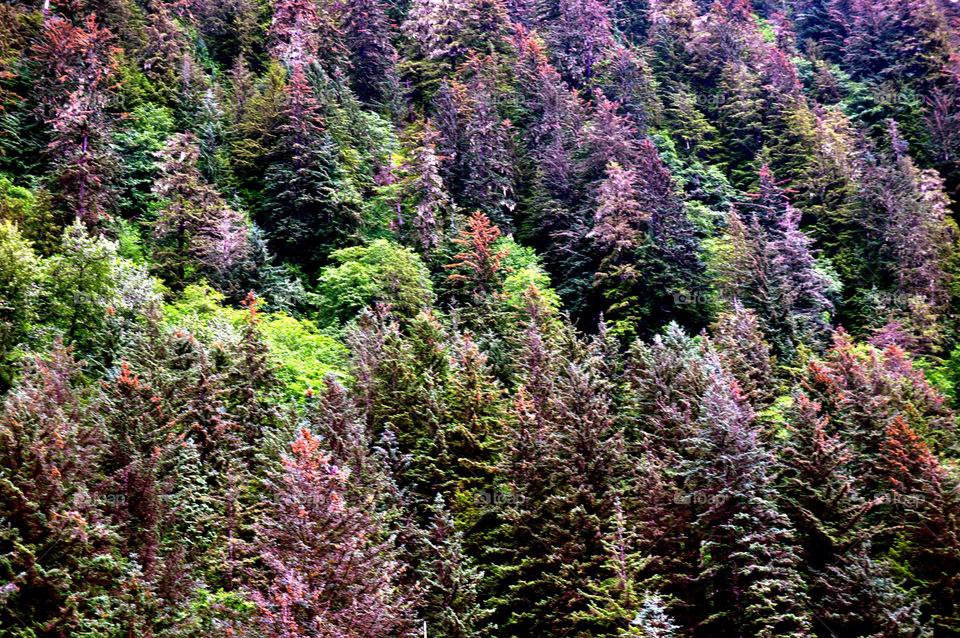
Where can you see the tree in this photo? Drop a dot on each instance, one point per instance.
(382, 272)
(570, 485)
(649, 250)
(424, 186)
(451, 600)
(195, 227)
(77, 68)
(740, 346)
(579, 37)
(366, 35)
(919, 238)
(316, 534)
(58, 546)
(749, 563)
(307, 197)
(895, 40)
(767, 264)
(20, 272)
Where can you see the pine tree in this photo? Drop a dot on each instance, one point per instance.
(928, 496)
(480, 264)
(919, 237)
(316, 535)
(425, 185)
(195, 227)
(895, 40)
(650, 252)
(77, 68)
(450, 601)
(366, 35)
(619, 605)
(749, 563)
(57, 545)
(740, 346)
(571, 487)
(767, 264)
(307, 198)
(579, 35)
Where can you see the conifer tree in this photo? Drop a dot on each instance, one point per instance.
(57, 544)
(366, 35)
(77, 69)
(740, 346)
(426, 187)
(316, 535)
(770, 268)
(451, 579)
(749, 563)
(307, 198)
(195, 227)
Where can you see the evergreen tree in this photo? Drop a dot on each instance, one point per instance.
(367, 37)
(316, 535)
(77, 65)
(307, 197)
(749, 563)
(195, 227)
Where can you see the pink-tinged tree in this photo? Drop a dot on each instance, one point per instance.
(442, 32)
(649, 252)
(224, 251)
(295, 31)
(487, 161)
(557, 114)
(925, 492)
(896, 40)
(919, 236)
(424, 185)
(607, 137)
(77, 68)
(853, 589)
(766, 263)
(563, 463)
(862, 388)
(821, 494)
(749, 566)
(139, 490)
(476, 144)
(367, 38)
(943, 123)
(329, 568)
(744, 353)
(579, 36)
(58, 547)
(195, 225)
(619, 221)
(479, 264)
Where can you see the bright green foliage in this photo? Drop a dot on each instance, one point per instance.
(382, 272)
(305, 355)
(20, 273)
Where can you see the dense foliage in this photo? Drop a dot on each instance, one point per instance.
(465, 318)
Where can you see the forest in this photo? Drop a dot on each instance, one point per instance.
(479, 318)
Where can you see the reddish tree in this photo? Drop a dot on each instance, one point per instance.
(77, 69)
(330, 570)
(479, 261)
